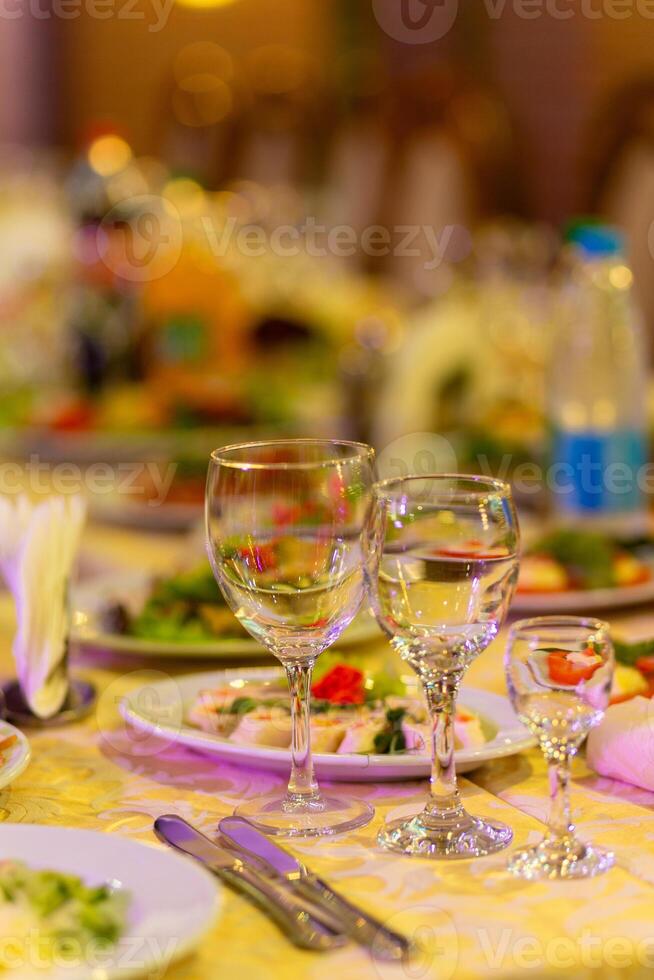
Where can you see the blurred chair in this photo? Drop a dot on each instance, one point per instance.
(452, 152)
(278, 136)
(356, 174)
(201, 103)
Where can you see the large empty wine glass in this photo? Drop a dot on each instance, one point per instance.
(559, 671)
(286, 526)
(449, 565)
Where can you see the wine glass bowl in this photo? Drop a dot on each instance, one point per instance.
(559, 671)
(286, 527)
(442, 570)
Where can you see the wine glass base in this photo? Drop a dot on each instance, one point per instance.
(321, 816)
(560, 858)
(470, 837)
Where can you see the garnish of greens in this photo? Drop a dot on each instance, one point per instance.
(392, 739)
(61, 908)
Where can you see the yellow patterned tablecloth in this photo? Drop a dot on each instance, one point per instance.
(474, 919)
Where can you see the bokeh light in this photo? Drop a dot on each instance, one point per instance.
(109, 154)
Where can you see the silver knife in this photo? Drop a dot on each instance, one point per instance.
(301, 926)
(384, 943)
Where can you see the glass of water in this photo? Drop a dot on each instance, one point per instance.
(443, 565)
(559, 671)
(286, 527)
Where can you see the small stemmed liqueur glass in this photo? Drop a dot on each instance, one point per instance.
(442, 567)
(559, 671)
(287, 523)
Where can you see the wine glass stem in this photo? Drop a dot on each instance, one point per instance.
(560, 823)
(302, 785)
(444, 804)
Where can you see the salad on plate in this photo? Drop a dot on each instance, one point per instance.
(186, 607)
(67, 918)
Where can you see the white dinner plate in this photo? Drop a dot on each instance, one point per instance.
(174, 902)
(161, 710)
(584, 600)
(132, 589)
(18, 756)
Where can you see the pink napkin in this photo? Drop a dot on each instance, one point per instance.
(622, 747)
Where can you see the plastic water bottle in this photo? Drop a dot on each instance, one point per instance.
(597, 390)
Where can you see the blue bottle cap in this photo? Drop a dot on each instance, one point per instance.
(597, 241)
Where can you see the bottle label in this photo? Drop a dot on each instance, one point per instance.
(597, 472)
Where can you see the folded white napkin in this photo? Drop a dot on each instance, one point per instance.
(622, 747)
(38, 545)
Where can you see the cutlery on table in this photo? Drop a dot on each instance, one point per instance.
(279, 865)
(305, 928)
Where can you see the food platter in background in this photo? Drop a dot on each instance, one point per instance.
(95, 603)
(576, 571)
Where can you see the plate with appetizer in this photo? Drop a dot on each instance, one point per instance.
(78, 904)
(182, 615)
(365, 726)
(14, 753)
(571, 570)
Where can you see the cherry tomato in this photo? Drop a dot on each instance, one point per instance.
(568, 673)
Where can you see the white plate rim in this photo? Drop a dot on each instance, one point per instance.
(581, 599)
(85, 637)
(19, 757)
(185, 945)
(347, 767)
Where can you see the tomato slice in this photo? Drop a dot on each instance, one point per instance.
(568, 673)
(471, 549)
(645, 664)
